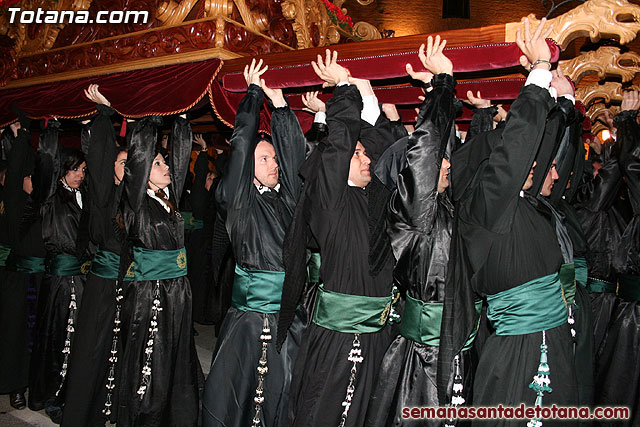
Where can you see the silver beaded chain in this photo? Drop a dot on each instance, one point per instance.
(66, 350)
(148, 350)
(263, 370)
(355, 356)
(113, 359)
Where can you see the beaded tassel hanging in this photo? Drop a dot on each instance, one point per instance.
(263, 370)
(541, 381)
(113, 359)
(572, 322)
(394, 317)
(66, 350)
(456, 399)
(355, 356)
(148, 351)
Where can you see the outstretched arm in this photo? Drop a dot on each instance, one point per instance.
(180, 140)
(629, 141)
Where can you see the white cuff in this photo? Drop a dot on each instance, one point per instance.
(370, 109)
(539, 77)
(342, 84)
(570, 98)
(320, 117)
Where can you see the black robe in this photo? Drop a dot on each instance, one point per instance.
(618, 369)
(89, 363)
(171, 394)
(420, 222)
(340, 222)
(502, 239)
(18, 289)
(57, 312)
(256, 223)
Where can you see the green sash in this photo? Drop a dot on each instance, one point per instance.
(190, 223)
(67, 265)
(313, 268)
(106, 264)
(531, 307)
(421, 322)
(597, 285)
(152, 264)
(581, 271)
(4, 254)
(629, 287)
(351, 314)
(257, 290)
(568, 280)
(25, 264)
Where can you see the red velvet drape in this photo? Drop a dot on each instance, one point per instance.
(163, 90)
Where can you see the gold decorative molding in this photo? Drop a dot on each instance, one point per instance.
(607, 61)
(365, 2)
(366, 31)
(172, 13)
(311, 23)
(249, 19)
(598, 110)
(608, 91)
(594, 19)
(218, 8)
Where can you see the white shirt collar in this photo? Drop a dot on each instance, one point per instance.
(152, 194)
(263, 188)
(75, 191)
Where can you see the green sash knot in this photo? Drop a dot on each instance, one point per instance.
(421, 322)
(568, 280)
(313, 268)
(597, 285)
(531, 307)
(351, 314)
(67, 265)
(106, 264)
(629, 288)
(4, 254)
(152, 264)
(257, 290)
(581, 271)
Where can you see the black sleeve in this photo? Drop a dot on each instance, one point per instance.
(289, 143)
(199, 194)
(397, 129)
(101, 156)
(343, 121)
(481, 121)
(85, 138)
(16, 168)
(494, 202)
(48, 163)
(142, 151)
(377, 138)
(600, 193)
(235, 186)
(180, 144)
(629, 143)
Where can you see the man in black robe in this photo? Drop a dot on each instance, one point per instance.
(343, 346)
(249, 381)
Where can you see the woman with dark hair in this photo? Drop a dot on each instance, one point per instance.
(62, 176)
(158, 363)
(92, 368)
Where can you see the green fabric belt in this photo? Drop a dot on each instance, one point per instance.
(568, 280)
(106, 264)
(25, 264)
(351, 314)
(581, 271)
(531, 307)
(152, 264)
(190, 223)
(67, 265)
(257, 290)
(313, 268)
(629, 288)
(595, 285)
(4, 254)
(421, 322)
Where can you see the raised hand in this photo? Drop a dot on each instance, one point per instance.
(502, 114)
(534, 47)
(560, 82)
(312, 103)
(275, 95)
(94, 95)
(253, 72)
(199, 140)
(477, 101)
(432, 57)
(391, 112)
(630, 100)
(329, 70)
(15, 126)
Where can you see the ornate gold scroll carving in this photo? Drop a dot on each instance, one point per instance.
(607, 61)
(172, 13)
(608, 91)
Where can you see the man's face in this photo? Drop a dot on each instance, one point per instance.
(27, 185)
(549, 180)
(443, 180)
(529, 182)
(118, 168)
(266, 165)
(75, 176)
(359, 172)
